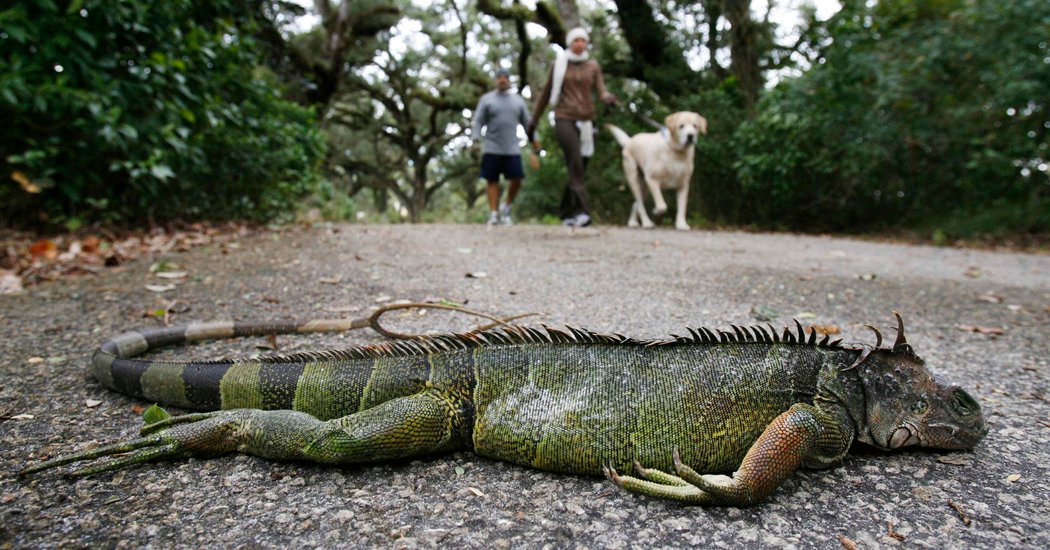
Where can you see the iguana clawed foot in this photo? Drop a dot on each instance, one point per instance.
(685, 485)
(164, 436)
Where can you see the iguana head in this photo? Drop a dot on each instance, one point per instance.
(905, 405)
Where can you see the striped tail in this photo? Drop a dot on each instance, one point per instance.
(190, 385)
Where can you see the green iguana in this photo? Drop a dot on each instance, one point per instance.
(749, 402)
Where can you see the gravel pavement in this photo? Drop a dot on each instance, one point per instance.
(980, 319)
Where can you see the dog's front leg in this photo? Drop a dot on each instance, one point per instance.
(659, 205)
(683, 200)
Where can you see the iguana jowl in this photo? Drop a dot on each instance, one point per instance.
(752, 402)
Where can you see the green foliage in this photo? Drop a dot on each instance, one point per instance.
(923, 114)
(131, 111)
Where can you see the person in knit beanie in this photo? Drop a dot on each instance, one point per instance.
(574, 80)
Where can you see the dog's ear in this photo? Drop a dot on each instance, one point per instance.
(701, 123)
(669, 120)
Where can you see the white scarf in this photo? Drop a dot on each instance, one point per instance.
(561, 64)
(586, 127)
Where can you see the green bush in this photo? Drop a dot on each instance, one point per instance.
(926, 115)
(132, 111)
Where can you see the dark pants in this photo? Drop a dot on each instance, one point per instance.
(574, 200)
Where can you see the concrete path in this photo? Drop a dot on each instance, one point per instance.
(980, 319)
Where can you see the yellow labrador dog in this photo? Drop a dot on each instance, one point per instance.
(665, 160)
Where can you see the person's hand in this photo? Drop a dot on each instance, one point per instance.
(537, 146)
(530, 130)
(610, 99)
(475, 147)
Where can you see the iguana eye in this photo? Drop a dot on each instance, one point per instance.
(919, 407)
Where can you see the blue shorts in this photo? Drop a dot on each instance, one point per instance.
(494, 165)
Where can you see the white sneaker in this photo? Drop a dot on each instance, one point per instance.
(582, 220)
(504, 215)
(493, 219)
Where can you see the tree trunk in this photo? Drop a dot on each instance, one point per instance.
(743, 47)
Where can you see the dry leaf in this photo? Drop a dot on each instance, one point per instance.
(847, 542)
(22, 417)
(171, 274)
(160, 288)
(826, 329)
(956, 460)
(477, 275)
(92, 403)
(475, 491)
(44, 249)
(982, 330)
(9, 282)
(990, 298)
(331, 280)
(1013, 478)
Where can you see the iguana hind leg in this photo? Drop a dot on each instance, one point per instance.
(801, 434)
(423, 423)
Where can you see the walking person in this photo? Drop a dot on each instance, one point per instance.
(570, 90)
(500, 112)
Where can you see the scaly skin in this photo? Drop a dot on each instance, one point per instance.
(748, 403)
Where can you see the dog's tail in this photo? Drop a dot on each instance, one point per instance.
(621, 137)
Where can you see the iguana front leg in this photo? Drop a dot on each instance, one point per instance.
(423, 423)
(800, 435)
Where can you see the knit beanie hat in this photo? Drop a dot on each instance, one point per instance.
(578, 32)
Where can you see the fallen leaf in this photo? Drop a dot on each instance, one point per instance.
(138, 409)
(990, 298)
(1015, 308)
(956, 460)
(171, 274)
(383, 298)
(9, 282)
(460, 470)
(477, 275)
(805, 315)
(891, 532)
(1013, 478)
(92, 403)
(982, 330)
(847, 542)
(826, 329)
(22, 417)
(866, 276)
(7, 498)
(57, 360)
(160, 288)
(764, 313)
(35, 360)
(44, 249)
(973, 272)
(331, 280)
(475, 491)
(158, 267)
